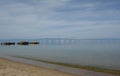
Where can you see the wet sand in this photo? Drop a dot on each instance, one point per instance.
(12, 68)
(25, 67)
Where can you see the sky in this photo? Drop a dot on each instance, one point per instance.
(84, 19)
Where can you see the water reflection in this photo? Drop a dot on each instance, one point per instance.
(103, 53)
(59, 42)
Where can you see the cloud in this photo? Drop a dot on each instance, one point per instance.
(63, 18)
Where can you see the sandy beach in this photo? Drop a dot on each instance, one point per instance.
(11, 68)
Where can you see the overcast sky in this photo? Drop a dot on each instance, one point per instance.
(59, 19)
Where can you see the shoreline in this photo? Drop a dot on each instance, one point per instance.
(89, 68)
(62, 68)
(14, 68)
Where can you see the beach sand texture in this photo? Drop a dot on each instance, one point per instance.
(11, 68)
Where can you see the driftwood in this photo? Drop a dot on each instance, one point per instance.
(19, 43)
(8, 43)
(23, 43)
(27, 43)
(34, 43)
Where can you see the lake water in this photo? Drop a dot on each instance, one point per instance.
(100, 53)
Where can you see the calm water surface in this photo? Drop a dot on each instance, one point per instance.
(100, 53)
